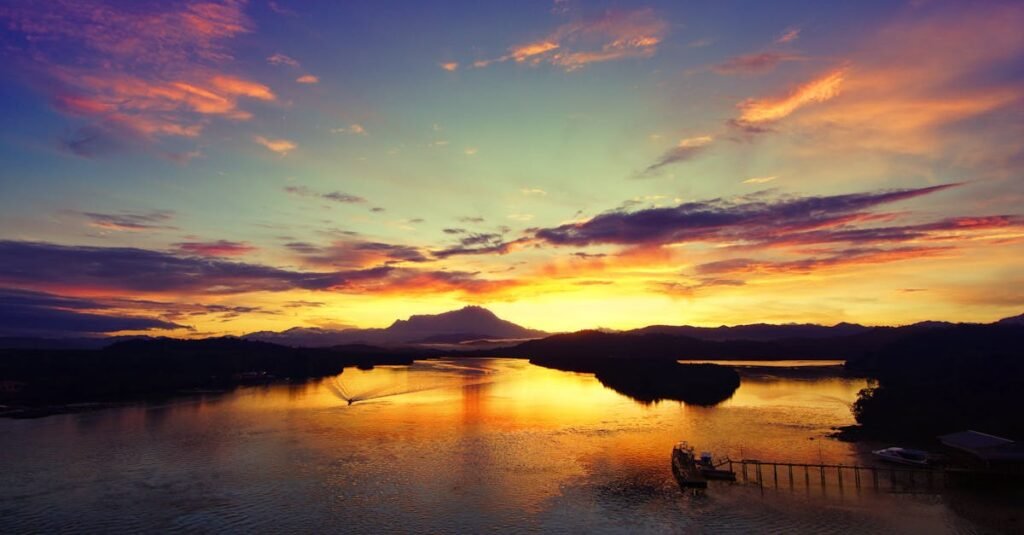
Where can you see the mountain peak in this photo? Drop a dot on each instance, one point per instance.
(468, 319)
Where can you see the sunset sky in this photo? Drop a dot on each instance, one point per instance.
(208, 168)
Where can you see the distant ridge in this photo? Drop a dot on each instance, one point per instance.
(463, 325)
(757, 331)
(457, 328)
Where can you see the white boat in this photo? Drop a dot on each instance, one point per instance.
(903, 456)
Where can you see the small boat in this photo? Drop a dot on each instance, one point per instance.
(684, 467)
(710, 471)
(903, 456)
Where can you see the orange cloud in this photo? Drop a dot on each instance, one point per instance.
(280, 146)
(917, 79)
(308, 79)
(158, 108)
(821, 89)
(523, 52)
(450, 66)
(151, 69)
(616, 35)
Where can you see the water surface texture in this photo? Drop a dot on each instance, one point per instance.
(449, 446)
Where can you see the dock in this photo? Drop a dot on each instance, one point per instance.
(840, 476)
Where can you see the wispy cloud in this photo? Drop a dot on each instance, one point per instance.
(756, 112)
(754, 63)
(354, 128)
(215, 248)
(280, 146)
(131, 221)
(355, 254)
(29, 313)
(281, 59)
(42, 267)
(725, 221)
(841, 258)
(334, 196)
(760, 179)
(613, 36)
(788, 35)
(918, 81)
(153, 70)
(685, 150)
(308, 79)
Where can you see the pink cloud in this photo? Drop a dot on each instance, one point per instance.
(754, 63)
(788, 36)
(150, 70)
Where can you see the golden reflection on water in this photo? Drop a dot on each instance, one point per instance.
(769, 417)
(439, 446)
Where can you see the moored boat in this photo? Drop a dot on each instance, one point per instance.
(903, 456)
(684, 467)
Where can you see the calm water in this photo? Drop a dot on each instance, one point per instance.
(442, 446)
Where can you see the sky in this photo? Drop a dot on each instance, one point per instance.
(209, 168)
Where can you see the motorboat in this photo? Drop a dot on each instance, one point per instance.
(903, 456)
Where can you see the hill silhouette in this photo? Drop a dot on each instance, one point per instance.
(945, 380)
(462, 325)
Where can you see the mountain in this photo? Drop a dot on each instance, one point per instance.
(463, 325)
(315, 337)
(478, 321)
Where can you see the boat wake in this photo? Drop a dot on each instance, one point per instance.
(338, 388)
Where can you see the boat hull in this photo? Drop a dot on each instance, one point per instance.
(685, 469)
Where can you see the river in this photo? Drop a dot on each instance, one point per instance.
(445, 446)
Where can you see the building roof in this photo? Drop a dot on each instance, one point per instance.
(985, 446)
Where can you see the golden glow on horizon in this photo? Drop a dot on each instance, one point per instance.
(582, 168)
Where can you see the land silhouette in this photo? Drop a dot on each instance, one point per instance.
(930, 377)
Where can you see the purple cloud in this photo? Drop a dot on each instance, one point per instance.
(28, 313)
(721, 220)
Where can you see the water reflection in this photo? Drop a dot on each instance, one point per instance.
(442, 446)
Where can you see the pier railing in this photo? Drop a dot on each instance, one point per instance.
(841, 476)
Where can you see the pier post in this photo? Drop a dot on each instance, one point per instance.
(807, 476)
(775, 473)
(856, 476)
(744, 465)
(790, 476)
(821, 467)
(760, 479)
(839, 471)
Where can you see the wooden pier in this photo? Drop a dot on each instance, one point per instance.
(767, 474)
